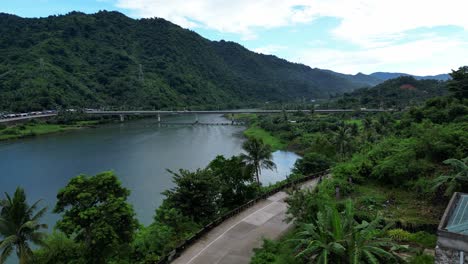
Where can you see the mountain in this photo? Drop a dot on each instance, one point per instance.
(399, 92)
(359, 79)
(391, 75)
(112, 61)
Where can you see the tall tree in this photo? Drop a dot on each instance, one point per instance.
(95, 212)
(459, 83)
(259, 155)
(19, 225)
(342, 139)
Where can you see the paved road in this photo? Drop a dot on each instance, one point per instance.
(15, 119)
(233, 241)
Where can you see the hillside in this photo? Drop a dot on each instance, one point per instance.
(109, 60)
(394, 93)
(391, 75)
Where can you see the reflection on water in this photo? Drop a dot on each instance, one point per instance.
(139, 152)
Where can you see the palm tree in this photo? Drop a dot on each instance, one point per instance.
(339, 238)
(259, 156)
(19, 225)
(454, 181)
(342, 138)
(323, 241)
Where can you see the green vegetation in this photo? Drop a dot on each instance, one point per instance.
(112, 61)
(19, 225)
(256, 132)
(397, 168)
(259, 156)
(60, 123)
(395, 93)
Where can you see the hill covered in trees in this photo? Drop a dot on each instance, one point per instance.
(394, 93)
(109, 60)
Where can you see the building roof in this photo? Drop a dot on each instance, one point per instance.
(458, 219)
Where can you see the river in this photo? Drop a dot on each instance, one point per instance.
(139, 152)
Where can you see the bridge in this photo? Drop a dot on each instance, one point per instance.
(158, 113)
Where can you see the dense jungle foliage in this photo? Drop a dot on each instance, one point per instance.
(107, 60)
(392, 177)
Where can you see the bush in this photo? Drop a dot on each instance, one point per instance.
(424, 239)
(421, 259)
(311, 163)
(399, 235)
(2, 127)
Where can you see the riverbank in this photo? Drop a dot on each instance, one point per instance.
(35, 128)
(254, 130)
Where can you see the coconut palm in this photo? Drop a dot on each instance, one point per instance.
(18, 226)
(455, 181)
(342, 138)
(259, 156)
(322, 241)
(338, 238)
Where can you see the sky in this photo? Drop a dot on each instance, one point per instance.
(421, 37)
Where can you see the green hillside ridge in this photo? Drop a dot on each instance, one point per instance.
(394, 93)
(107, 60)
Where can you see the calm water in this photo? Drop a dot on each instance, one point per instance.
(139, 152)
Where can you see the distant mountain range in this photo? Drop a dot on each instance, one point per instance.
(376, 78)
(110, 60)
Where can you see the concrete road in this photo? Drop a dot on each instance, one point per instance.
(234, 240)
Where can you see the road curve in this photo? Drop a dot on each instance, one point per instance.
(233, 241)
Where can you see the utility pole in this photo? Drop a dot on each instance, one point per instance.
(141, 77)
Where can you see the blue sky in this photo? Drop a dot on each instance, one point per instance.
(349, 36)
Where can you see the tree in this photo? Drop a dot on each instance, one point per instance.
(95, 213)
(342, 139)
(19, 224)
(259, 155)
(59, 249)
(455, 181)
(459, 83)
(196, 194)
(235, 178)
(335, 237)
(312, 162)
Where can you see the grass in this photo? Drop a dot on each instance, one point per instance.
(358, 122)
(276, 252)
(36, 129)
(255, 131)
(396, 205)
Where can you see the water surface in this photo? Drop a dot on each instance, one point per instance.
(139, 152)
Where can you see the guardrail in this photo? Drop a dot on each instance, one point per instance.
(188, 242)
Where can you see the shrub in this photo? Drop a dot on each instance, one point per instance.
(424, 239)
(311, 163)
(399, 235)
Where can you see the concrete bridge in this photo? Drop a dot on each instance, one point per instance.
(158, 113)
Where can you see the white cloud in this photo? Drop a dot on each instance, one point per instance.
(366, 22)
(377, 27)
(269, 49)
(420, 57)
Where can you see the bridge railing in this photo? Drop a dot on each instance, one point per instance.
(188, 242)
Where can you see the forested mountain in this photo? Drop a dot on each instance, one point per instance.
(391, 75)
(394, 93)
(109, 60)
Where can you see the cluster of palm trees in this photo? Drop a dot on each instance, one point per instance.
(336, 237)
(19, 225)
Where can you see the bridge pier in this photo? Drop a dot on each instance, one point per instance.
(159, 118)
(122, 118)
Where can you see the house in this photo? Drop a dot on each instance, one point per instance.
(452, 233)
